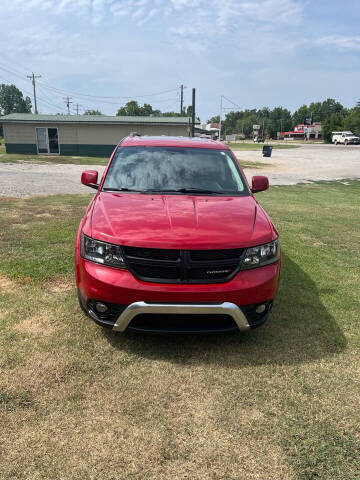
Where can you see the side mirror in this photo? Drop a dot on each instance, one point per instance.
(90, 178)
(259, 183)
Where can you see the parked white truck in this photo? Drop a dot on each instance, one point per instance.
(346, 138)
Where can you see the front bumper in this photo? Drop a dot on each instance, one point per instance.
(135, 303)
(143, 308)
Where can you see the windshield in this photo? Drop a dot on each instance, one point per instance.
(174, 170)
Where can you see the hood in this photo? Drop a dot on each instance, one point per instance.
(179, 221)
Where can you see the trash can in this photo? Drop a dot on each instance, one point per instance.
(267, 149)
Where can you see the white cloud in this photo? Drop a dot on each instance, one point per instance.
(342, 42)
(278, 11)
(179, 4)
(224, 14)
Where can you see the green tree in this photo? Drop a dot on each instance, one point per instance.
(318, 111)
(330, 107)
(215, 119)
(146, 109)
(12, 100)
(133, 109)
(301, 114)
(332, 123)
(352, 120)
(92, 112)
(279, 121)
(170, 114)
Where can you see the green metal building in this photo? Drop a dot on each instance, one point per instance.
(81, 135)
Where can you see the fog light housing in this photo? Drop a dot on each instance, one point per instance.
(101, 307)
(260, 308)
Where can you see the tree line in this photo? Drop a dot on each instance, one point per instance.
(331, 113)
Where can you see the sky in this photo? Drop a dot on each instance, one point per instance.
(254, 52)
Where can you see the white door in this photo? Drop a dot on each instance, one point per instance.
(42, 140)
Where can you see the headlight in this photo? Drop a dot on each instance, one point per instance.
(261, 255)
(101, 252)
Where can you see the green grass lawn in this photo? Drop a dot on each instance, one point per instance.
(20, 157)
(281, 402)
(258, 146)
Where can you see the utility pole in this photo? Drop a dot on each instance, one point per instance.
(181, 98)
(221, 108)
(68, 101)
(32, 78)
(77, 108)
(193, 114)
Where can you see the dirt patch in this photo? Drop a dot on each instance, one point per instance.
(44, 372)
(21, 225)
(12, 215)
(43, 215)
(7, 285)
(60, 286)
(40, 324)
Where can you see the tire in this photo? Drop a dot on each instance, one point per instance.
(345, 143)
(335, 142)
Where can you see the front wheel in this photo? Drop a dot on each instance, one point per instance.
(346, 142)
(335, 143)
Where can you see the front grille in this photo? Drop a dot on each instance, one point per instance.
(181, 323)
(183, 266)
(152, 253)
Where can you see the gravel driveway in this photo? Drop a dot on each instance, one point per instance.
(307, 163)
(26, 179)
(287, 167)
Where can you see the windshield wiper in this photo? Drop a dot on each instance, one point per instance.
(204, 191)
(189, 190)
(123, 189)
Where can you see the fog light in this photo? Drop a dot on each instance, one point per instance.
(260, 308)
(101, 307)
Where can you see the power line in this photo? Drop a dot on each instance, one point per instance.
(99, 100)
(68, 101)
(45, 84)
(221, 110)
(49, 100)
(33, 77)
(13, 73)
(78, 94)
(29, 93)
(12, 62)
(236, 105)
(77, 108)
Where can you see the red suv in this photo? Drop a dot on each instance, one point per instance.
(174, 240)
